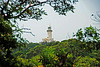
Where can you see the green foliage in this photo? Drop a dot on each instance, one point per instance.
(32, 9)
(8, 42)
(90, 37)
(86, 62)
(10, 34)
(35, 60)
(25, 50)
(71, 52)
(83, 51)
(89, 34)
(65, 54)
(95, 54)
(48, 57)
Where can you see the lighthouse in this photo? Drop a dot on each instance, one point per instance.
(49, 31)
(49, 35)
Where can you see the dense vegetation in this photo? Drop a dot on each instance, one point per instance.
(10, 33)
(81, 51)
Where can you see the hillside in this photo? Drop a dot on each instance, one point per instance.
(23, 51)
(67, 52)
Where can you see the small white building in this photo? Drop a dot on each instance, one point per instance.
(49, 37)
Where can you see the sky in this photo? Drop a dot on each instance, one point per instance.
(63, 26)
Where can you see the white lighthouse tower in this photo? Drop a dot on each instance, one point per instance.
(49, 31)
(49, 35)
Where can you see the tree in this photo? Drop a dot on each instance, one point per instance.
(8, 42)
(90, 36)
(91, 44)
(48, 58)
(69, 50)
(86, 62)
(30, 9)
(11, 10)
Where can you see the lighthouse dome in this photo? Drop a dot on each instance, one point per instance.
(49, 27)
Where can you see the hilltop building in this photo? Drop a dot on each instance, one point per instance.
(49, 36)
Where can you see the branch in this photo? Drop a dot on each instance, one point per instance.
(28, 8)
(28, 32)
(6, 3)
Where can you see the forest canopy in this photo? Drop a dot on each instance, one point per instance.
(83, 50)
(10, 33)
(79, 51)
